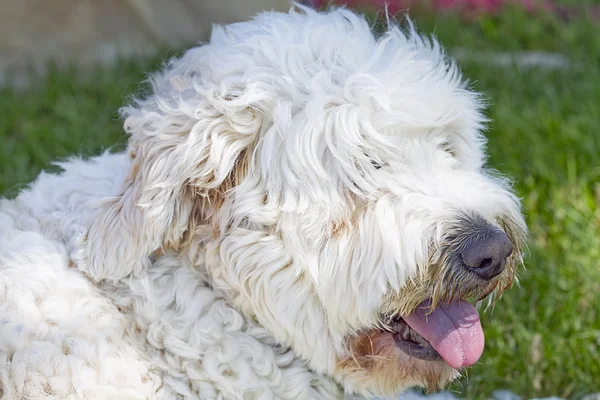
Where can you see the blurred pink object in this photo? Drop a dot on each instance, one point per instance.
(468, 6)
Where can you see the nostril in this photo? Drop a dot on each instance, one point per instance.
(486, 263)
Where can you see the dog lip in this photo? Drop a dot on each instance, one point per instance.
(413, 344)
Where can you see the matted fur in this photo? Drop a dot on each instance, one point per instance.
(288, 186)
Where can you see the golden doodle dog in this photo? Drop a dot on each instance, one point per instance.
(303, 212)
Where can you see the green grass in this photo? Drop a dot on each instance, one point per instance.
(62, 116)
(542, 338)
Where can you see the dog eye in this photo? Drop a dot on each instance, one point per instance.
(376, 164)
(445, 146)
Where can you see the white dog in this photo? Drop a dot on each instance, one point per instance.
(303, 213)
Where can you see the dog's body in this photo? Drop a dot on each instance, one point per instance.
(296, 196)
(164, 334)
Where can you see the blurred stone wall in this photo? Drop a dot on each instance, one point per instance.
(90, 32)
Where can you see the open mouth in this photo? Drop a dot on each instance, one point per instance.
(451, 332)
(412, 343)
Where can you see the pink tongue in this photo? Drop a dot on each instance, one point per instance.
(454, 331)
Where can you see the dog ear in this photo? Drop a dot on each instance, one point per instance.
(189, 144)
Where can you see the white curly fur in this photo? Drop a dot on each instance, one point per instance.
(281, 183)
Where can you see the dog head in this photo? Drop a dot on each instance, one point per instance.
(334, 182)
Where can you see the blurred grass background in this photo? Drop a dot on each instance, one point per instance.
(543, 338)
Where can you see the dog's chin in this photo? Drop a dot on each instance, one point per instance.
(381, 364)
(425, 348)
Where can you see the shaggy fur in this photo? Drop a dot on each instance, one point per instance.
(287, 188)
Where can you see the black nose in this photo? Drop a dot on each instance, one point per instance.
(486, 256)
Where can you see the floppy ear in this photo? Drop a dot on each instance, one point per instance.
(187, 140)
